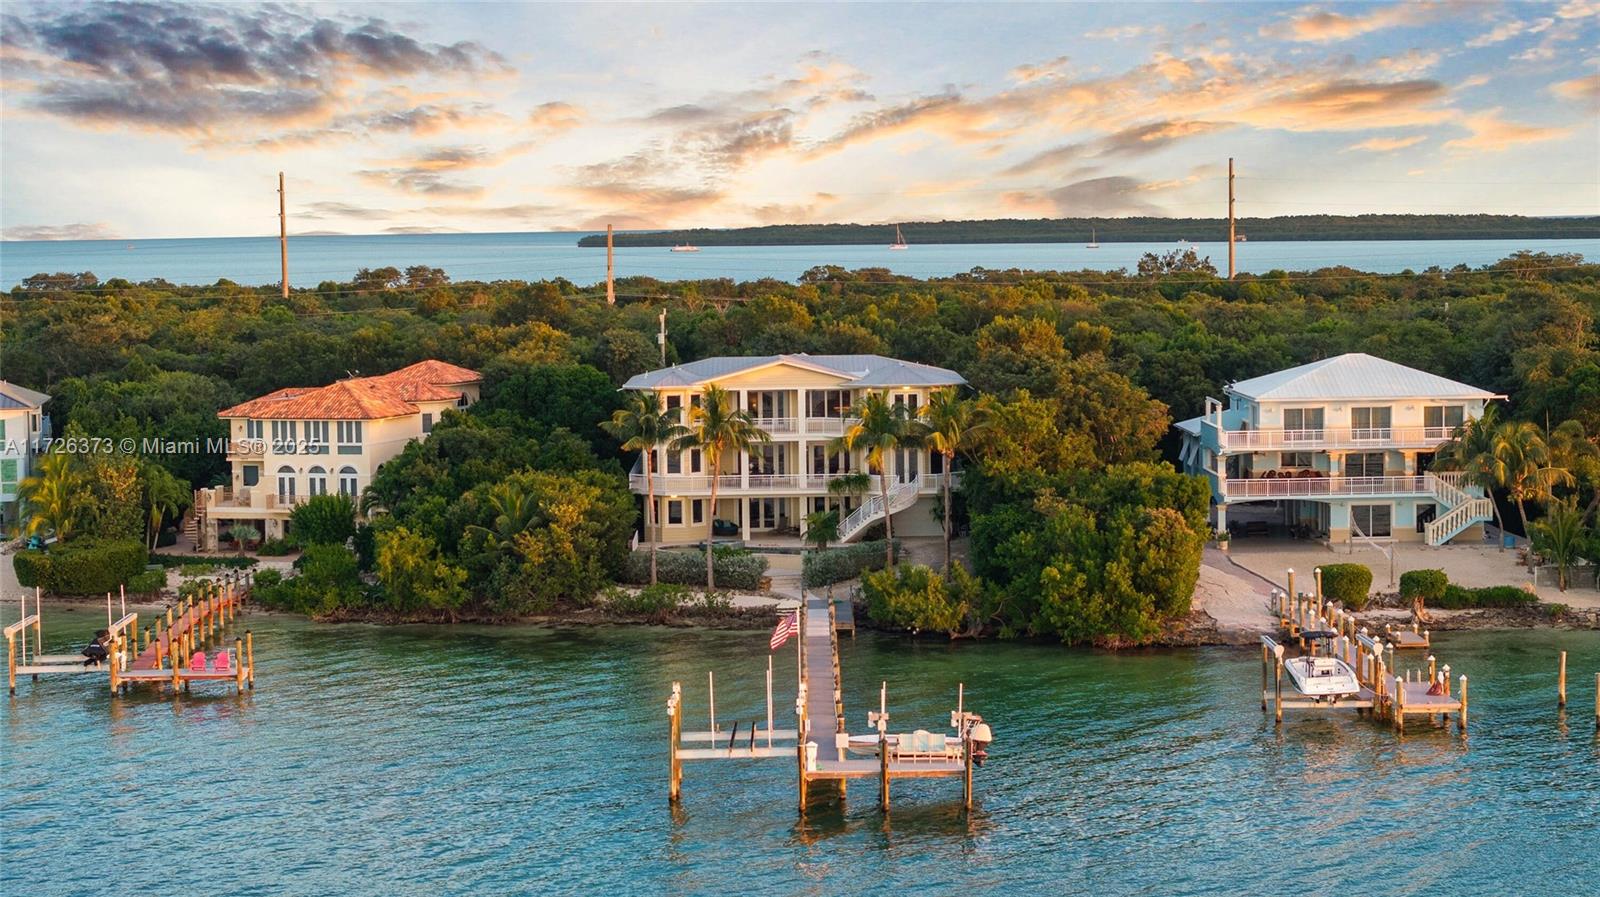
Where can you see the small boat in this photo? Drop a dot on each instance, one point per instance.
(899, 239)
(1241, 238)
(1322, 677)
(685, 247)
(1093, 243)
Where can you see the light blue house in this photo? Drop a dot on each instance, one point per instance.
(1340, 447)
(23, 424)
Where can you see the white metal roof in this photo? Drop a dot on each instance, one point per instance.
(1354, 376)
(857, 370)
(13, 396)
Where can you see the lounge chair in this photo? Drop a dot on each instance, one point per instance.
(197, 663)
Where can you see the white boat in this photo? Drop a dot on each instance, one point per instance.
(899, 239)
(1322, 677)
(1093, 243)
(686, 247)
(1241, 239)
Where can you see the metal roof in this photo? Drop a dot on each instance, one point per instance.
(13, 397)
(856, 370)
(1355, 375)
(1190, 426)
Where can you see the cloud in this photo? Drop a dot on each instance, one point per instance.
(1349, 105)
(1409, 64)
(1148, 138)
(1048, 159)
(1578, 9)
(1386, 144)
(98, 230)
(1115, 195)
(1507, 30)
(326, 209)
(1492, 134)
(1117, 33)
(1054, 68)
(214, 71)
(555, 117)
(1584, 90)
(1311, 24)
(411, 180)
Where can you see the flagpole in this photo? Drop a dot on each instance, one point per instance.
(769, 699)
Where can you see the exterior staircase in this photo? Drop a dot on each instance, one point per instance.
(1464, 510)
(901, 497)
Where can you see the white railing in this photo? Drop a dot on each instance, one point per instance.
(680, 484)
(1315, 487)
(901, 496)
(1447, 488)
(774, 481)
(1333, 437)
(1447, 526)
(778, 425)
(826, 426)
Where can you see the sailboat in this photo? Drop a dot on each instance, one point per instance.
(1093, 243)
(899, 239)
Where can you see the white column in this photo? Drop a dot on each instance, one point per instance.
(1222, 518)
(805, 463)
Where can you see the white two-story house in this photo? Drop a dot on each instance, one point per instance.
(1340, 448)
(289, 445)
(803, 403)
(23, 424)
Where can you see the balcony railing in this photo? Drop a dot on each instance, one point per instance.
(1332, 437)
(778, 426)
(1320, 487)
(734, 484)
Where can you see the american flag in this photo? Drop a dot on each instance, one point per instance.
(787, 624)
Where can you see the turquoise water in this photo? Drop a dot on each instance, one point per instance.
(528, 256)
(470, 760)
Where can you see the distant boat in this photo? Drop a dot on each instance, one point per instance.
(1240, 238)
(899, 239)
(1093, 243)
(686, 247)
(1182, 240)
(130, 245)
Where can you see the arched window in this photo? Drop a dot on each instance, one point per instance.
(285, 484)
(347, 482)
(317, 481)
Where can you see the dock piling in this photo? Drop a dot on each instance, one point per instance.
(1561, 682)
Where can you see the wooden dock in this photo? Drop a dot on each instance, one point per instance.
(820, 744)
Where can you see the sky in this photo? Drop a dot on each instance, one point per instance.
(141, 120)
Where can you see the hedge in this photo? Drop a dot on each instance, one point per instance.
(186, 560)
(1456, 597)
(83, 566)
(1428, 585)
(734, 569)
(149, 582)
(831, 565)
(1348, 584)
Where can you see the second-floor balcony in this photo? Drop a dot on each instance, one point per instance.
(1321, 486)
(766, 483)
(1327, 438)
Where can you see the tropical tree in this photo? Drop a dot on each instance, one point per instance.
(515, 509)
(164, 494)
(643, 426)
(1572, 450)
(1522, 465)
(1470, 451)
(879, 428)
(822, 529)
(949, 424)
(1560, 537)
(56, 498)
(716, 427)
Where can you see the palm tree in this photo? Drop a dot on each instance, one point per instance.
(879, 427)
(643, 426)
(716, 427)
(1572, 450)
(515, 509)
(165, 495)
(949, 424)
(56, 498)
(1521, 463)
(1560, 536)
(1470, 450)
(822, 529)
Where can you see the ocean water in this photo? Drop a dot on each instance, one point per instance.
(431, 760)
(533, 256)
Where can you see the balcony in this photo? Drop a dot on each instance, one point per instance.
(1325, 487)
(1329, 438)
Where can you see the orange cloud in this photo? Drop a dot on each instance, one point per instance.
(1314, 25)
(1492, 134)
(1386, 144)
(1584, 90)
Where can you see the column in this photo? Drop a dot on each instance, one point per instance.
(1222, 518)
(805, 464)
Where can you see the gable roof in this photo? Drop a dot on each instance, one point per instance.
(1355, 375)
(13, 397)
(360, 398)
(854, 370)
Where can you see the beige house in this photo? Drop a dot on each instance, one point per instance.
(1342, 449)
(289, 445)
(23, 424)
(803, 402)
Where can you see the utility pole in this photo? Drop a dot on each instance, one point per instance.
(1230, 217)
(611, 271)
(283, 237)
(661, 337)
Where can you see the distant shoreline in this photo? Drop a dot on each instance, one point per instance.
(1302, 228)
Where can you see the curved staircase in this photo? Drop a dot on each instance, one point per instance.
(901, 497)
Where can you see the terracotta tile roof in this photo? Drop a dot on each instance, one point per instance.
(360, 398)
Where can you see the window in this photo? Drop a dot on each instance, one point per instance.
(347, 482)
(316, 481)
(349, 433)
(694, 460)
(824, 464)
(253, 430)
(697, 511)
(316, 437)
(1369, 423)
(1364, 464)
(674, 402)
(1303, 424)
(283, 437)
(427, 422)
(1295, 459)
(2, 430)
(285, 483)
(8, 474)
(675, 513)
(909, 400)
(1442, 420)
(935, 462)
(462, 401)
(252, 474)
(1371, 520)
(674, 462)
(827, 402)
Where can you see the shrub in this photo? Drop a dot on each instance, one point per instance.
(735, 568)
(1348, 584)
(1428, 585)
(327, 581)
(656, 602)
(324, 520)
(273, 548)
(912, 597)
(149, 582)
(824, 568)
(267, 578)
(1456, 597)
(83, 566)
(183, 560)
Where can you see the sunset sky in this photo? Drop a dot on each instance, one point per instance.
(171, 120)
